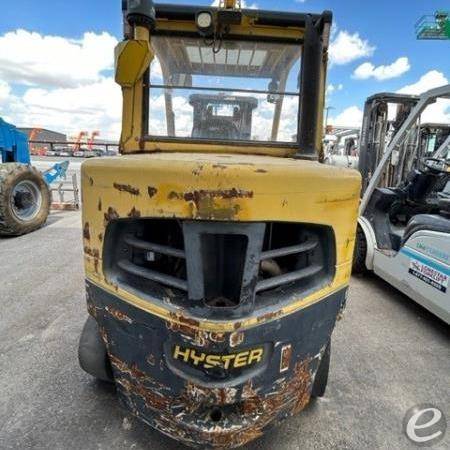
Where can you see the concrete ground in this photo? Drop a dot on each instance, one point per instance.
(388, 355)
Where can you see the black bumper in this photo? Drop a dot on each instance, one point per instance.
(190, 397)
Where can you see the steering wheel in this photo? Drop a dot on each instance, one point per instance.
(436, 165)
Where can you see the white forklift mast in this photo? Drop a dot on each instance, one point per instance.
(425, 99)
(404, 230)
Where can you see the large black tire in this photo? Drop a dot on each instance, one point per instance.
(321, 380)
(360, 253)
(92, 354)
(24, 199)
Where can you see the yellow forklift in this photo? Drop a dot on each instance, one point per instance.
(216, 266)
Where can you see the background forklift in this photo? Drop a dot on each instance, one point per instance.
(404, 224)
(217, 264)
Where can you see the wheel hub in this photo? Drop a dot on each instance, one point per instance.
(26, 200)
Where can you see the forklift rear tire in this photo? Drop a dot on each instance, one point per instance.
(92, 354)
(24, 199)
(321, 380)
(360, 253)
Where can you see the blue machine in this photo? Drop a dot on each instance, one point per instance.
(25, 195)
(59, 170)
(13, 144)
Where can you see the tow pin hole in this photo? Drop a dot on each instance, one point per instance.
(216, 415)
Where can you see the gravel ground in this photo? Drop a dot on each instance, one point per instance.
(388, 355)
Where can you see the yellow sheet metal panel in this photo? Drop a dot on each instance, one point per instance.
(132, 59)
(247, 28)
(188, 146)
(220, 187)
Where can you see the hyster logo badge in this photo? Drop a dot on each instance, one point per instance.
(208, 361)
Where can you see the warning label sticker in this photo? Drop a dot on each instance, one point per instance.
(427, 274)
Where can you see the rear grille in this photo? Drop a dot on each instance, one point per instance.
(147, 254)
(295, 256)
(218, 265)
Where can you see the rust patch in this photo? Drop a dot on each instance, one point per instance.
(285, 360)
(256, 411)
(198, 170)
(152, 397)
(174, 196)
(152, 191)
(185, 320)
(293, 394)
(206, 207)
(126, 188)
(269, 316)
(237, 325)
(198, 196)
(195, 396)
(91, 308)
(93, 253)
(188, 328)
(110, 215)
(134, 213)
(99, 206)
(117, 314)
(103, 335)
(217, 337)
(86, 232)
(220, 166)
(236, 339)
(337, 199)
(123, 367)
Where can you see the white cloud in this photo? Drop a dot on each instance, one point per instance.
(5, 91)
(36, 60)
(346, 47)
(438, 112)
(430, 80)
(66, 87)
(351, 116)
(394, 70)
(96, 106)
(331, 88)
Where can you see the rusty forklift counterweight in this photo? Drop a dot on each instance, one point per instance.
(217, 249)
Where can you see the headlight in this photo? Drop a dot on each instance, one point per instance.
(204, 22)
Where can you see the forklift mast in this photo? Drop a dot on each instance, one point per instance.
(376, 132)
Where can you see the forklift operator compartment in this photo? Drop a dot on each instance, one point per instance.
(268, 71)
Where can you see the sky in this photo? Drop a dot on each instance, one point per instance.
(56, 59)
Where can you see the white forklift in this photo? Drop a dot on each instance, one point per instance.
(404, 227)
